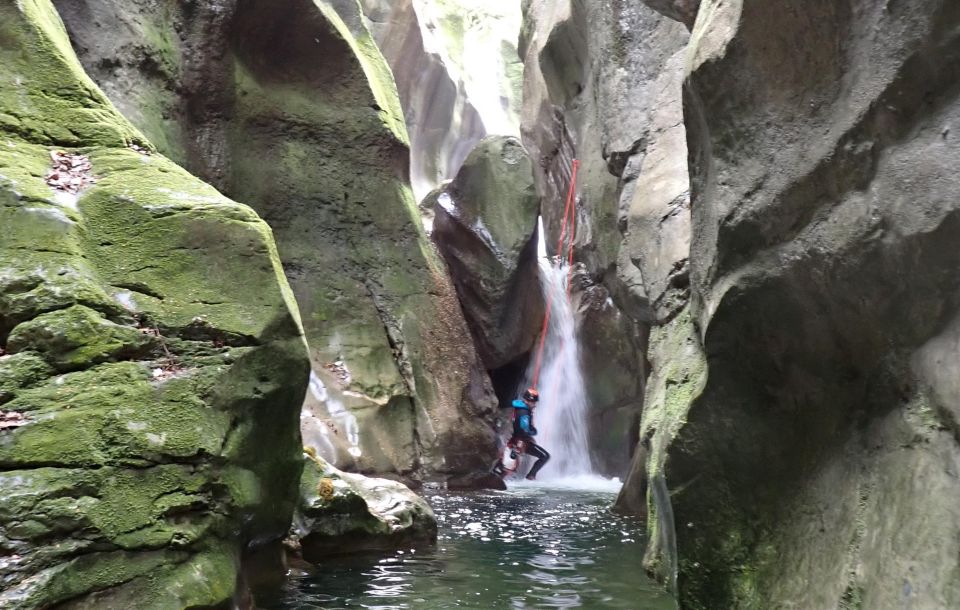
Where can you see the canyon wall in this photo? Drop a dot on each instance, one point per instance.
(783, 229)
(152, 363)
(602, 85)
(292, 109)
(822, 447)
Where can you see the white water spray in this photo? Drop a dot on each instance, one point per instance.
(561, 416)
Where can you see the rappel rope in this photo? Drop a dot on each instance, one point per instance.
(569, 218)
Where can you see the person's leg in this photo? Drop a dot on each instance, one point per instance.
(542, 458)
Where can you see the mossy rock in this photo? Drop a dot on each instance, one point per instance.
(20, 371)
(154, 365)
(342, 513)
(301, 83)
(78, 337)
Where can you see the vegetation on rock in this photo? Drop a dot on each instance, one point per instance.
(120, 489)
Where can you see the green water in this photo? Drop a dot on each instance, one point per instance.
(533, 546)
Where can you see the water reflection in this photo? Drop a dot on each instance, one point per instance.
(531, 547)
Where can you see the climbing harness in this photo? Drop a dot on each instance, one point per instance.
(569, 217)
(514, 449)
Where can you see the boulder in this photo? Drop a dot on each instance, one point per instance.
(341, 513)
(224, 87)
(485, 227)
(474, 482)
(152, 363)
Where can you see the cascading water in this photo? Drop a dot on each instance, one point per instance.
(561, 415)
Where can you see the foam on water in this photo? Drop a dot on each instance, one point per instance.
(583, 482)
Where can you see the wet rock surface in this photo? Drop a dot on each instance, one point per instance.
(684, 11)
(458, 75)
(120, 489)
(342, 513)
(802, 321)
(603, 85)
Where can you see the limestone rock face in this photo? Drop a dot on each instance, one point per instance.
(291, 108)
(152, 364)
(602, 84)
(486, 229)
(821, 444)
(341, 513)
(611, 347)
(458, 75)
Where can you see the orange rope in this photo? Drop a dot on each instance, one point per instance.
(569, 215)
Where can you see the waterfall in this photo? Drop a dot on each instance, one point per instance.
(561, 416)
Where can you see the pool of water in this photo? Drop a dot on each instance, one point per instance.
(532, 546)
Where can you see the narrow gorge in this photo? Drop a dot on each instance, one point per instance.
(295, 293)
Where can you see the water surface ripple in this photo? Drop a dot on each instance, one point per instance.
(534, 546)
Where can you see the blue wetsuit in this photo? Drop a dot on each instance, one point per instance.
(524, 430)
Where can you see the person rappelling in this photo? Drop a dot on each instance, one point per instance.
(522, 439)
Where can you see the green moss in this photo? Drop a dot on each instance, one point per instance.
(852, 598)
(77, 337)
(113, 414)
(182, 245)
(113, 492)
(679, 376)
(20, 371)
(374, 65)
(43, 86)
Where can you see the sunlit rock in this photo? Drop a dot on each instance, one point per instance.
(458, 75)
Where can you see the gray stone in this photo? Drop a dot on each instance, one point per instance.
(822, 447)
(458, 75)
(684, 11)
(603, 84)
(486, 229)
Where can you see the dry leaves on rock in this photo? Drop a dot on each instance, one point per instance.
(69, 173)
(339, 369)
(169, 367)
(166, 370)
(12, 419)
